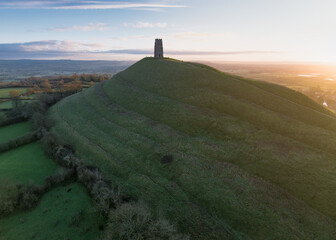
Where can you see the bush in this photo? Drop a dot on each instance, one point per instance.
(135, 221)
(49, 142)
(104, 196)
(39, 120)
(167, 159)
(8, 197)
(28, 198)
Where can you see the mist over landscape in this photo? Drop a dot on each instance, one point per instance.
(167, 120)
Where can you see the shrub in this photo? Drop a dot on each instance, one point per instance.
(167, 159)
(8, 197)
(61, 176)
(49, 142)
(28, 197)
(104, 196)
(135, 221)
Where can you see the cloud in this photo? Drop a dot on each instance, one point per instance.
(45, 49)
(179, 52)
(201, 35)
(67, 49)
(85, 5)
(85, 28)
(146, 25)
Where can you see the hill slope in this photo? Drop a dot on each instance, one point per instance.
(251, 159)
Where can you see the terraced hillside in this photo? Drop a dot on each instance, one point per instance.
(220, 156)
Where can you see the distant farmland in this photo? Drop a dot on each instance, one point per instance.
(12, 70)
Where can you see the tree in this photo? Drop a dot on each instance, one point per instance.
(29, 91)
(36, 89)
(75, 77)
(15, 96)
(46, 86)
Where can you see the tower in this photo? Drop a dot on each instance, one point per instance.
(158, 48)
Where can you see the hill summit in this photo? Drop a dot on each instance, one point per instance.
(220, 156)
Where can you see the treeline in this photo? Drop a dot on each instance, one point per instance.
(60, 80)
(34, 111)
(58, 83)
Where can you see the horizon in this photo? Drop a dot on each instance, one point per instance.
(216, 31)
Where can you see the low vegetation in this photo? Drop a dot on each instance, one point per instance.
(135, 221)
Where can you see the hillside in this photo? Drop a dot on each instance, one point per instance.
(250, 159)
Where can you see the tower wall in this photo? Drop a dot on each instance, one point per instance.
(158, 48)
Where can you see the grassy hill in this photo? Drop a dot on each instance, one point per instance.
(250, 159)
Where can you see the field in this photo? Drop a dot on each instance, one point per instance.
(9, 105)
(220, 156)
(26, 164)
(4, 92)
(61, 214)
(13, 131)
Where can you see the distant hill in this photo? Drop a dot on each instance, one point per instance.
(220, 156)
(11, 70)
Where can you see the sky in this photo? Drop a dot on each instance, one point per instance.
(214, 30)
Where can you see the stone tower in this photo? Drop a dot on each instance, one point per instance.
(158, 48)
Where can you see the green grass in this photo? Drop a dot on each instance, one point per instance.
(14, 131)
(250, 159)
(6, 105)
(26, 165)
(62, 213)
(59, 215)
(9, 104)
(4, 92)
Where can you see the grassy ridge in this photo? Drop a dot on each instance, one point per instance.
(208, 120)
(63, 213)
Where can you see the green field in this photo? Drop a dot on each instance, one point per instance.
(27, 164)
(4, 92)
(14, 131)
(6, 105)
(59, 215)
(62, 213)
(251, 159)
(9, 104)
